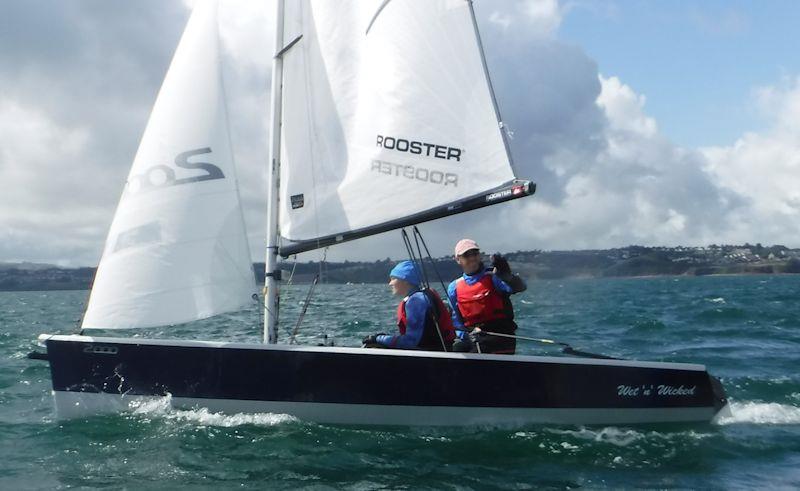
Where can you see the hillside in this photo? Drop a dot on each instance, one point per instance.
(622, 262)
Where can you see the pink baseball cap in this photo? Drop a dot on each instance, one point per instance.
(465, 245)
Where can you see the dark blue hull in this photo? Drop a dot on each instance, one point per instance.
(375, 386)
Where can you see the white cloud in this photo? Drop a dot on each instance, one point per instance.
(636, 187)
(33, 178)
(76, 83)
(544, 15)
(74, 98)
(542, 18)
(625, 109)
(764, 168)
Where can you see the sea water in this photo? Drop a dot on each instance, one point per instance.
(745, 329)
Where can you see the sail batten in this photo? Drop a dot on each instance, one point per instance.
(177, 249)
(388, 119)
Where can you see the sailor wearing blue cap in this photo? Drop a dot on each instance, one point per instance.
(423, 321)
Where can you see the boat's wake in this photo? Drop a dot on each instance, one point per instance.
(162, 407)
(761, 413)
(746, 412)
(204, 417)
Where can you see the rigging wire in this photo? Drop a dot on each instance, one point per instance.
(420, 268)
(322, 279)
(307, 301)
(79, 321)
(291, 275)
(323, 264)
(421, 240)
(418, 236)
(293, 337)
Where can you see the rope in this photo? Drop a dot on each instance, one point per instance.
(566, 348)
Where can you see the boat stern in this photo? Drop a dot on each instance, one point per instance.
(721, 407)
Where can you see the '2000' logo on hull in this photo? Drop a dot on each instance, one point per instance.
(161, 176)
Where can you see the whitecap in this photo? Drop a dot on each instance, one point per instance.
(205, 417)
(151, 405)
(615, 436)
(716, 300)
(623, 437)
(761, 413)
(162, 407)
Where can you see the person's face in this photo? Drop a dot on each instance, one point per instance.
(399, 287)
(470, 261)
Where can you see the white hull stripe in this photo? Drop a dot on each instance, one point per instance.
(82, 404)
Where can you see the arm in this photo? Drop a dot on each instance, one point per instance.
(461, 331)
(509, 283)
(503, 279)
(416, 310)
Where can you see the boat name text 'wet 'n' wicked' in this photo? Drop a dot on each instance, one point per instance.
(661, 390)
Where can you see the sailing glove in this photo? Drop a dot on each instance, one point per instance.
(475, 335)
(500, 264)
(371, 341)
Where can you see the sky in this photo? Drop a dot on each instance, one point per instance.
(642, 122)
(691, 58)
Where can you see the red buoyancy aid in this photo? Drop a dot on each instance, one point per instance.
(430, 338)
(481, 302)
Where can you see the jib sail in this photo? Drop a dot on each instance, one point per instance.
(177, 249)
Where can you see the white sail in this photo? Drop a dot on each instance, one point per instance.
(388, 113)
(177, 249)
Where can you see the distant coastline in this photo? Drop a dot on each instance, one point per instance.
(625, 262)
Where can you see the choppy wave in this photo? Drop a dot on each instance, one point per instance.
(761, 413)
(748, 341)
(722, 314)
(623, 437)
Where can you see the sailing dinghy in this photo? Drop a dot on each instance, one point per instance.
(371, 100)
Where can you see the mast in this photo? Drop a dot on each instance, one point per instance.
(272, 274)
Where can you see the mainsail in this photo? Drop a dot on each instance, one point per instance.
(388, 119)
(177, 249)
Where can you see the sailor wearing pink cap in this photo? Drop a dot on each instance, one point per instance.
(481, 301)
